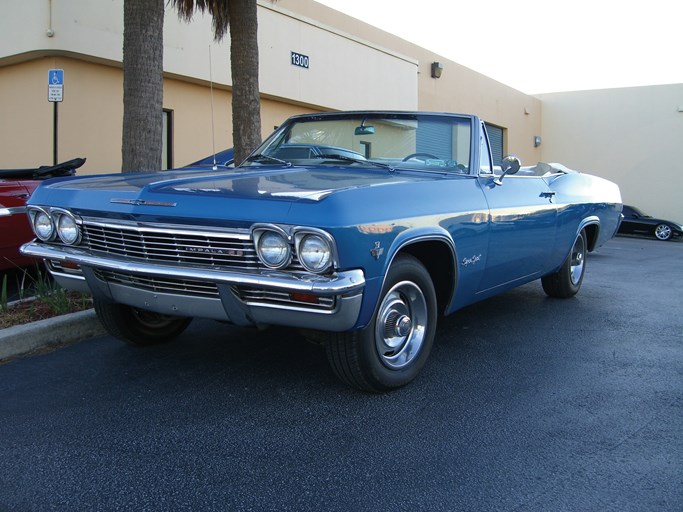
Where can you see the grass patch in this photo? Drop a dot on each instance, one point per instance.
(40, 297)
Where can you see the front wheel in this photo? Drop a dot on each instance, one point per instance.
(137, 326)
(392, 349)
(663, 231)
(566, 282)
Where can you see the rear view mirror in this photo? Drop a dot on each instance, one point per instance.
(364, 130)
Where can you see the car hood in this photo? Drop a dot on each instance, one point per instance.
(261, 193)
(297, 183)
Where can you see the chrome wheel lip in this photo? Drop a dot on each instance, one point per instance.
(578, 260)
(401, 325)
(663, 232)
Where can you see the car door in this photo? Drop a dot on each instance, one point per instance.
(523, 223)
(636, 223)
(629, 224)
(15, 229)
(522, 229)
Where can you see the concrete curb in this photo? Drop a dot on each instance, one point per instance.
(51, 332)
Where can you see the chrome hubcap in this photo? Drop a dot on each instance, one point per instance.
(577, 260)
(663, 232)
(401, 325)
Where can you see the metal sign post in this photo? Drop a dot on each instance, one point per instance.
(55, 94)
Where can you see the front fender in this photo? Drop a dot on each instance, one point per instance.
(408, 240)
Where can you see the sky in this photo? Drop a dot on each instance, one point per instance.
(539, 46)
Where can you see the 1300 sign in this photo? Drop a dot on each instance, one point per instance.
(300, 60)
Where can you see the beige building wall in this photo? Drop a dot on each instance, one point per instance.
(90, 117)
(632, 136)
(459, 90)
(626, 135)
(86, 42)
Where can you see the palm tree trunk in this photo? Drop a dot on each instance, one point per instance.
(246, 103)
(143, 52)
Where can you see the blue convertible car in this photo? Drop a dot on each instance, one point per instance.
(360, 228)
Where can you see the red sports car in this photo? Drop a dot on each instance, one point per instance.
(16, 186)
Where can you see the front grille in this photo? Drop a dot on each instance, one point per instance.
(175, 245)
(171, 245)
(160, 284)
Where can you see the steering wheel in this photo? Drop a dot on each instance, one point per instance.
(426, 156)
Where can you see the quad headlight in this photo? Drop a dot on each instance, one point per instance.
(48, 224)
(315, 252)
(278, 246)
(42, 224)
(67, 229)
(272, 247)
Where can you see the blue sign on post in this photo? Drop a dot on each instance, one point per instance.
(55, 85)
(56, 77)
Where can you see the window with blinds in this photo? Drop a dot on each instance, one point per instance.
(496, 140)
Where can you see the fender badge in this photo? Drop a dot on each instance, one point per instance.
(141, 202)
(377, 251)
(471, 261)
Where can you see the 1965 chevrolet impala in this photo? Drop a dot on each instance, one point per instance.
(360, 228)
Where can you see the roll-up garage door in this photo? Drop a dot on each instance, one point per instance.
(496, 141)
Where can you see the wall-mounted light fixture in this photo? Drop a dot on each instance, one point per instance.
(437, 69)
(537, 140)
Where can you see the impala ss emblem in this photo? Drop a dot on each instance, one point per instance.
(142, 202)
(471, 261)
(216, 252)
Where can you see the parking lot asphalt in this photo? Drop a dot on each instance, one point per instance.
(527, 403)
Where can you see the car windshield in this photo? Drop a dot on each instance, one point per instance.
(378, 140)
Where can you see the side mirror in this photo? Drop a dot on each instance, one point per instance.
(509, 165)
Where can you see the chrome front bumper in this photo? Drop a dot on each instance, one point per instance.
(345, 287)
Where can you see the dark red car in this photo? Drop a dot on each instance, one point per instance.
(16, 186)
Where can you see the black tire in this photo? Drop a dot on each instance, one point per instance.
(392, 349)
(663, 232)
(139, 327)
(566, 282)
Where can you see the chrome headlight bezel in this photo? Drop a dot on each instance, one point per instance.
(297, 239)
(324, 253)
(66, 226)
(41, 217)
(272, 235)
(55, 224)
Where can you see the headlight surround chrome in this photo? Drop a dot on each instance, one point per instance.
(272, 247)
(314, 250)
(311, 249)
(42, 224)
(50, 224)
(67, 227)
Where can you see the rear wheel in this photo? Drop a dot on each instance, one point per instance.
(137, 326)
(393, 348)
(566, 282)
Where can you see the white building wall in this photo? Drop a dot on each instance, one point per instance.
(345, 72)
(632, 136)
